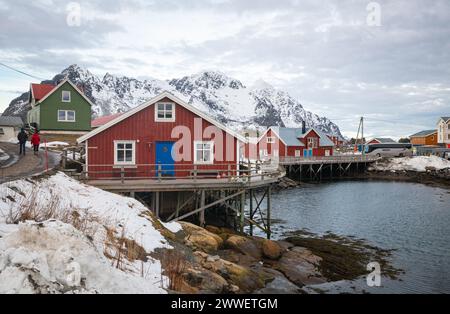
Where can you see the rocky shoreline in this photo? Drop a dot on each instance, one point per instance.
(433, 177)
(216, 260)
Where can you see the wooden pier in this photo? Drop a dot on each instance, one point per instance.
(233, 195)
(319, 168)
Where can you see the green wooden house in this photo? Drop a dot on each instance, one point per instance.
(59, 109)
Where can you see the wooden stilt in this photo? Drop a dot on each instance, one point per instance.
(242, 212)
(269, 208)
(157, 203)
(300, 173)
(202, 204)
(250, 192)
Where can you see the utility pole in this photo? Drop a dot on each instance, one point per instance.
(360, 129)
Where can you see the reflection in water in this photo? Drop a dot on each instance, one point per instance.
(414, 219)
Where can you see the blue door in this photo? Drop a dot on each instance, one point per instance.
(165, 159)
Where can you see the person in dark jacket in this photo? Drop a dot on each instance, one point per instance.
(36, 141)
(22, 137)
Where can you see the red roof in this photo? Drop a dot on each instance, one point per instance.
(41, 90)
(103, 120)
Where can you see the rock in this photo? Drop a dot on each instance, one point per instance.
(244, 245)
(280, 285)
(285, 245)
(212, 259)
(237, 257)
(206, 281)
(299, 265)
(200, 238)
(213, 229)
(201, 241)
(234, 289)
(246, 279)
(271, 249)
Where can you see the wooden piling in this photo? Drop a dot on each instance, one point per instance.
(269, 208)
(250, 193)
(242, 212)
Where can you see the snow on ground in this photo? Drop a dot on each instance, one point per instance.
(56, 144)
(101, 217)
(417, 163)
(54, 257)
(3, 156)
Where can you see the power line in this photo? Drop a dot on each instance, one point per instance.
(21, 72)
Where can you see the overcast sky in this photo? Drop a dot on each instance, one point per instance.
(334, 56)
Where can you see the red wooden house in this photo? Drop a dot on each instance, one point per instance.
(337, 141)
(162, 137)
(293, 142)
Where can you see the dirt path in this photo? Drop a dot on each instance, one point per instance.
(24, 166)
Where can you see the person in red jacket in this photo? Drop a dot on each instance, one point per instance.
(36, 141)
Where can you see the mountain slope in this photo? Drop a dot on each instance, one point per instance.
(224, 98)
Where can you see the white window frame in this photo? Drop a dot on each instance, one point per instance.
(298, 153)
(211, 149)
(124, 163)
(314, 142)
(172, 119)
(62, 96)
(271, 140)
(66, 116)
(264, 152)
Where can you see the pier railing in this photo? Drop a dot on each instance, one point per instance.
(243, 172)
(327, 159)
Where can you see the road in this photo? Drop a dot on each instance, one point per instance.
(24, 166)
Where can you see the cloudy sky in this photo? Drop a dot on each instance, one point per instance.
(388, 61)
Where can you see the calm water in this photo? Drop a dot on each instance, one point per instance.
(412, 218)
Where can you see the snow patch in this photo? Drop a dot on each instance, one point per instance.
(3, 156)
(53, 257)
(46, 246)
(417, 163)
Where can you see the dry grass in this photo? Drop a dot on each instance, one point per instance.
(174, 265)
(29, 209)
(120, 249)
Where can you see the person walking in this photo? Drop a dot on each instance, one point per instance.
(22, 137)
(36, 141)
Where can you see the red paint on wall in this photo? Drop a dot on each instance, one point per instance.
(142, 128)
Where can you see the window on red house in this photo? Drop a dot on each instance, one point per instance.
(313, 142)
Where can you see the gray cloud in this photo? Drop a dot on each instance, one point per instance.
(323, 52)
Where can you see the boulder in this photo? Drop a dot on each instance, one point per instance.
(271, 249)
(299, 265)
(206, 281)
(246, 279)
(201, 239)
(244, 245)
(213, 229)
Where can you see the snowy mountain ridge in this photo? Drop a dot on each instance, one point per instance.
(224, 98)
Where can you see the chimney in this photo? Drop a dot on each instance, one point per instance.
(303, 127)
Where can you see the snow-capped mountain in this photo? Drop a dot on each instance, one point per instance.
(224, 98)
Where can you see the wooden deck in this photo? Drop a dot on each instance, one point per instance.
(287, 161)
(188, 184)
